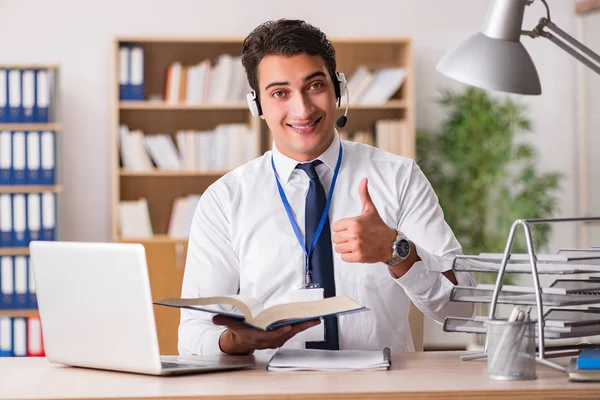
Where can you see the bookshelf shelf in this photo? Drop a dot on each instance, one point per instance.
(19, 313)
(31, 189)
(28, 66)
(30, 127)
(159, 173)
(154, 239)
(14, 251)
(154, 105)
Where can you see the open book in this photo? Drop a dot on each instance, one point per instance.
(252, 313)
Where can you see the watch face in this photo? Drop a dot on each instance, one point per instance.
(403, 248)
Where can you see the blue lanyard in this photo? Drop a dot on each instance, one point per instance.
(288, 209)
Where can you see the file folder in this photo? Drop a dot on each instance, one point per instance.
(6, 339)
(32, 292)
(136, 75)
(20, 267)
(14, 96)
(48, 154)
(32, 176)
(48, 216)
(124, 73)
(5, 158)
(28, 95)
(3, 95)
(19, 155)
(6, 220)
(19, 337)
(34, 216)
(7, 282)
(42, 96)
(20, 237)
(35, 343)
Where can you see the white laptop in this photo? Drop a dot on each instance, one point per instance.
(96, 310)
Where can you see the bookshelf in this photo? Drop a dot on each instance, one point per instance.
(153, 114)
(29, 128)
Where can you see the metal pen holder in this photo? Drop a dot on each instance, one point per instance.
(511, 350)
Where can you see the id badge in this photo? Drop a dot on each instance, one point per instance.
(316, 333)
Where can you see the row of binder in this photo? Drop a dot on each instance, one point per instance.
(25, 95)
(27, 158)
(25, 217)
(21, 337)
(17, 286)
(131, 73)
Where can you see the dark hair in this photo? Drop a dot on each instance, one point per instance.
(285, 37)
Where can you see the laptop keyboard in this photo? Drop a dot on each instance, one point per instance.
(167, 364)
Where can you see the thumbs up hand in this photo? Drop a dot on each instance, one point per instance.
(365, 238)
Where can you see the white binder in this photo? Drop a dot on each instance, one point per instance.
(33, 158)
(34, 216)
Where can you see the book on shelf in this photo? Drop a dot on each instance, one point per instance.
(182, 215)
(221, 82)
(134, 219)
(374, 86)
(252, 313)
(25, 217)
(27, 157)
(223, 148)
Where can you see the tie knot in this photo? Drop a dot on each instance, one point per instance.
(310, 168)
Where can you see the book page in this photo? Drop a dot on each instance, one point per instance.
(233, 304)
(304, 310)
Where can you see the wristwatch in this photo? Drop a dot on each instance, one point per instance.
(400, 249)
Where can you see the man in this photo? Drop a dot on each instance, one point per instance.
(383, 240)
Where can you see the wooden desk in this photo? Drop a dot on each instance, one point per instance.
(440, 375)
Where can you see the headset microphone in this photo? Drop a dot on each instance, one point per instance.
(341, 122)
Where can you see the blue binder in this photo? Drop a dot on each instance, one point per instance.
(124, 67)
(7, 282)
(136, 73)
(28, 95)
(48, 157)
(42, 96)
(19, 157)
(14, 96)
(34, 156)
(19, 209)
(6, 344)
(6, 220)
(31, 290)
(48, 216)
(21, 296)
(3, 95)
(5, 158)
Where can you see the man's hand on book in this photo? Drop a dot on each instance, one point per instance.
(243, 339)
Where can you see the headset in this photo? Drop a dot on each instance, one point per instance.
(341, 89)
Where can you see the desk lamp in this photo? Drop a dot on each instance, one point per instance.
(495, 59)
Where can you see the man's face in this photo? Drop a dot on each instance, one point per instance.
(298, 101)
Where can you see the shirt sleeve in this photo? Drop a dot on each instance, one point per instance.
(212, 268)
(422, 221)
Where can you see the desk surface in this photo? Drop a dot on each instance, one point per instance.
(414, 375)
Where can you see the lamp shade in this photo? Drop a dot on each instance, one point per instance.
(495, 59)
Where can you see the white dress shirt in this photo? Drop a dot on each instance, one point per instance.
(241, 239)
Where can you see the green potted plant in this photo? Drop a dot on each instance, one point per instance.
(484, 176)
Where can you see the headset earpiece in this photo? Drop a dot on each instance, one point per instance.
(341, 90)
(253, 104)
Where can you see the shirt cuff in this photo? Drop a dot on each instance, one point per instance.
(420, 277)
(211, 343)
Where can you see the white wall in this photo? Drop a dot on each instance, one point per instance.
(78, 35)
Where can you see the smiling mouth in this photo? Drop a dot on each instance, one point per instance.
(305, 127)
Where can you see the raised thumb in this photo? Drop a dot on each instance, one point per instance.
(363, 191)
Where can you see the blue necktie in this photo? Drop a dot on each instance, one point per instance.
(321, 259)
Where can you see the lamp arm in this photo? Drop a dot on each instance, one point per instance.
(593, 64)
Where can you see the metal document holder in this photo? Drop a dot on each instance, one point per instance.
(525, 223)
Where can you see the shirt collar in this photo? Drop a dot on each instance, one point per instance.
(285, 165)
